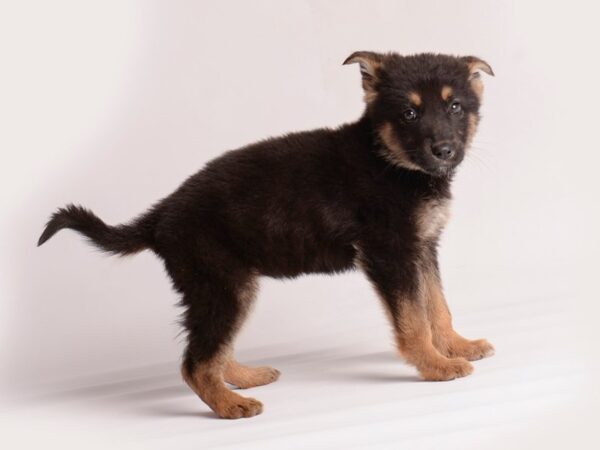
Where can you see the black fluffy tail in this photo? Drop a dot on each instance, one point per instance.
(121, 239)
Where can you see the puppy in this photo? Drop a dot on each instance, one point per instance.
(373, 195)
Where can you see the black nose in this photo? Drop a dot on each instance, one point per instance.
(442, 151)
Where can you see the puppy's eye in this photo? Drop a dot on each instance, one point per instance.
(410, 115)
(455, 107)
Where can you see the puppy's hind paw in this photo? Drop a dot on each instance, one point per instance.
(446, 369)
(239, 408)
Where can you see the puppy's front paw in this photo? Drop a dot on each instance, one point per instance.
(267, 375)
(446, 369)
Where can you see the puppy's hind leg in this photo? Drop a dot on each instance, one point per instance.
(215, 311)
(237, 374)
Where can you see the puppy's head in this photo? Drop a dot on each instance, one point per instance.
(425, 108)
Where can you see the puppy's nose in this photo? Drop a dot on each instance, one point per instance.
(442, 151)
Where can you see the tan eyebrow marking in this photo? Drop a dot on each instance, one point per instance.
(446, 92)
(415, 98)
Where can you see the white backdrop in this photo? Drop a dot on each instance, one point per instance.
(112, 104)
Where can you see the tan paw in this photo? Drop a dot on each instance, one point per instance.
(246, 377)
(238, 408)
(472, 350)
(265, 375)
(446, 369)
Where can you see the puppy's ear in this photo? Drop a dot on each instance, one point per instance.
(475, 66)
(370, 64)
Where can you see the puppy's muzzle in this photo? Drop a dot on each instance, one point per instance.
(443, 151)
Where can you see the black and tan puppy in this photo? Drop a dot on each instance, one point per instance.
(373, 195)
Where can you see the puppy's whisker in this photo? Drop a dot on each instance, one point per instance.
(478, 160)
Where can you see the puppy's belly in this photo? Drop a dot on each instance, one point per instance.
(293, 259)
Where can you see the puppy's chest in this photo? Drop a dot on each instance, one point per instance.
(431, 217)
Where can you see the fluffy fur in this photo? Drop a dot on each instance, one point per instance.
(372, 194)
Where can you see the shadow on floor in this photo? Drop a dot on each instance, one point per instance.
(148, 390)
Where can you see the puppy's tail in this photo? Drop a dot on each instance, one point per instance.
(121, 239)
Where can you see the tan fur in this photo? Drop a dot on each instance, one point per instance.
(207, 383)
(370, 94)
(208, 379)
(368, 85)
(447, 92)
(414, 339)
(432, 218)
(415, 98)
(370, 63)
(473, 122)
(477, 87)
(246, 377)
(414, 330)
(394, 152)
(415, 342)
(445, 339)
(476, 64)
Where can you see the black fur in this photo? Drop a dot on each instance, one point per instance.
(123, 239)
(309, 202)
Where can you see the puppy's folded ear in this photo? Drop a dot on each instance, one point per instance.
(475, 66)
(370, 64)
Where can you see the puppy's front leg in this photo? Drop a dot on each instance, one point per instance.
(445, 338)
(415, 342)
(401, 286)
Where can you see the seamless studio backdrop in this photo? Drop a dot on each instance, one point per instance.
(113, 104)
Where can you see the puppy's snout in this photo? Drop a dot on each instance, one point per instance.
(442, 151)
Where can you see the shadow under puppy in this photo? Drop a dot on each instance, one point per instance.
(373, 194)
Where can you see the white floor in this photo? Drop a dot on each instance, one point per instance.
(342, 391)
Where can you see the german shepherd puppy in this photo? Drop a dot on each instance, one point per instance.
(373, 194)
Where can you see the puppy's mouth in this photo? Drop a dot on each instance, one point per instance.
(443, 170)
(430, 165)
(440, 168)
